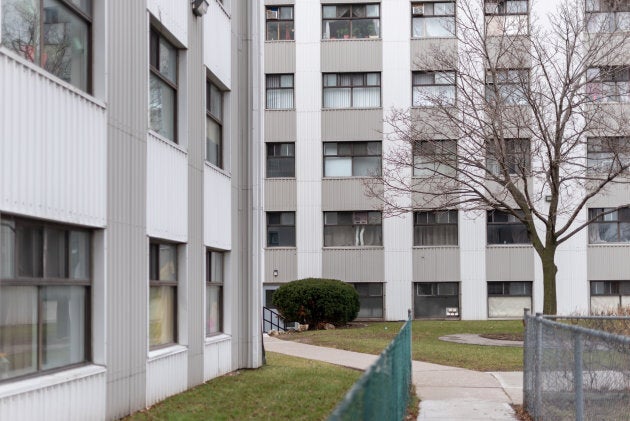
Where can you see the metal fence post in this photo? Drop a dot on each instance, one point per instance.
(538, 368)
(577, 376)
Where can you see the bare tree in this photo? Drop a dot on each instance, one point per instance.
(536, 128)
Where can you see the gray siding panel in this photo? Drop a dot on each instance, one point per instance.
(355, 124)
(608, 262)
(434, 264)
(340, 194)
(510, 263)
(359, 55)
(354, 265)
(280, 194)
(423, 49)
(280, 126)
(282, 260)
(279, 57)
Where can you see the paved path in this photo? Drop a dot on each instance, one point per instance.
(447, 393)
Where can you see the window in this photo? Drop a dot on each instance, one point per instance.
(507, 87)
(352, 229)
(279, 23)
(344, 21)
(433, 88)
(370, 300)
(162, 294)
(352, 159)
(608, 84)
(280, 160)
(506, 17)
(607, 154)
(162, 86)
(54, 34)
(518, 289)
(516, 157)
(608, 15)
(508, 299)
(435, 228)
(214, 125)
(352, 90)
(45, 280)
(280, 229)
(279, 92)
(608, 296)
(214, 291)
(435, 158)
(433, 19)
(436, 300)
(505, 228)
(611, 227)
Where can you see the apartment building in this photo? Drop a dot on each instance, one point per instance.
(333, 72)
(128, 202)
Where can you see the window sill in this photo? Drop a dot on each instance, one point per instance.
(217, 337)
(520, 245)
(216, 169)
(167, 141)
(380, 108)
(358, 248)
(167, 351)
(432, 38)
(18, 386)
(450, 246)
(280, 248)
(224, 8)
(280, 109)
(281, 178)
(351, 177)
(610, 244)
(369, 39)
(279, 41)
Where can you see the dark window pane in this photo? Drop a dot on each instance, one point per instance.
(30, 247)
(18, 331)
(55, 255)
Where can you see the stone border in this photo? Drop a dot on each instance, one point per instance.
(474, 339)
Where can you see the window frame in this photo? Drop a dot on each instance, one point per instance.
(416, 87)
(270, 226)
(358, 286)
(515, 157)
(218, 119)
(501, 12)
(279, 19)
(601, 220)
(352, 157)
(213, 283)
(446, 150)
(279, 88)
(505, 7)
(511, 222)
(351, 87)
(613, 14)
(600, 79)
(155, 34)
(353, 225)
(616, 150)
(506, 289)
(510, 78)
(155, 283)
(415, 18)
(453, 220)
(350, 35)
(274, 145)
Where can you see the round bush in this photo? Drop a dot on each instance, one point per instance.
(314, 301)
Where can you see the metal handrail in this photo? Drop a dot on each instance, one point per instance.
(280, 325)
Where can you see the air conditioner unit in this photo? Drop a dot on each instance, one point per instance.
(272, 14)
(452, 311)
(360, 218)
(418, 9)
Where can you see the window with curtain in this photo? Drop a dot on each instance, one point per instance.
(507, 86)
(215, 276)
(513, 154)
(352, 159)
(280, 160)
(606, 16)
(353, 229)
(54, 34)
(434, 19)
(280, 229)
(352, 90)
(435, 228)
(608, 84)
(279, 20)
(162, 86)
(351, 21)
(214, 125)
(45, 280)
(435, 158)
(433, 88)
(370, 300)
(506, 17)
(609, 226)
(505, 228)
(607, 154)
(279, 90)
(162, 294)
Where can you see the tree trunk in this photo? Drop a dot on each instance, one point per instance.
(549, 280)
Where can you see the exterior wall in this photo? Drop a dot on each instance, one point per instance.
(280, 194)
(361, 55)
(284, 260)
(353, 264)
(434, 264)
(339, 194)
(166, 375)
(280, 126)
(360, 124)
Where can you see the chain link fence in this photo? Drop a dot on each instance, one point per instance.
(577, 368)
(382, 393)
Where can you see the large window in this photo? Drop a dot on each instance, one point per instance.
(607, 154)
(45, 279)
(214, 124)
(280, 229)
(607, 296)
(435, 158)
(345, 21)
(214, 291)
(162, 86)
(506, 17)
(507, 86)
(608, 15)
(352, 159)
(280, 92)
(352, 90)
(436, 300)
(516, 157)
(435, 228)
(162, 294)
(508, 299)
(280, 160)
(505, 228)
(433, 88)
(609, 226)
(434, 19)
(279, 23)
(54, 34)
(353, 229)
(370, 300)
(608, 84)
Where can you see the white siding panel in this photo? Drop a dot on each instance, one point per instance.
(217, 358)
(472, 257)
(173, 15)
(217, 209)
(217, 43)
(167, 375)
(167, 190)
(77, 394)
(52, 138)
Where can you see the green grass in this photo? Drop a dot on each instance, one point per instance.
(426, 346)
(285, 388)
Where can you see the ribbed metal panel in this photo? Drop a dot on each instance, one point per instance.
(280, 126)
(610, 262)
(53, 144)
(173, 15)
(217, 211)
(280, 57)
(357, 55)
(424, 118)
(217, 46)
(217, 358)
(282, 260)
(339, 194)
(279, 2)
(510, 263)
(434, 264)
(280, 194)
(472, 255)
(353, 265)
(167, 190)
(78, 395)
(423, 49)
(572, 286)
(516, 56)
(615, 195)
(352, 124)
(166, 376)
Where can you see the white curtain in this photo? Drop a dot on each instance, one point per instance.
(366, 97)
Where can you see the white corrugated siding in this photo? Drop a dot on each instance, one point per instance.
(166, 376)
(53, 143)
(472, 256)
(173, 15)
(218, 42)
(217, 358)
(217, 209)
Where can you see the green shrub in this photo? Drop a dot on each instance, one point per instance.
(314, 301)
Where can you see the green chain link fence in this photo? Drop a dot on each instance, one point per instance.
(382, 393)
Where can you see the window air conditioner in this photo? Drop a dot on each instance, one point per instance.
(418, 9)
(272, 14)
(360, 218)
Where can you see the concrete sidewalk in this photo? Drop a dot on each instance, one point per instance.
(447, 393)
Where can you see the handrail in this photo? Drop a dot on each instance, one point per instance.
(279, 324)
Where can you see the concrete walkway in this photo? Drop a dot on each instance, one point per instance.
(447, 393)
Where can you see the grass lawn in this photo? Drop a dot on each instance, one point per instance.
(285, 388)
(426, 346)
